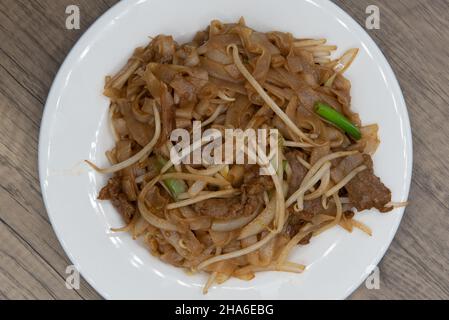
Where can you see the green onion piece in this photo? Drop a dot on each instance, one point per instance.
(333, 116)
(175, 186)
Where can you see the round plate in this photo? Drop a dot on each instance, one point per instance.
(74, 128)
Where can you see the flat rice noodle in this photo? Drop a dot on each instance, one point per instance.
(244, 33)
(114, 94)
(140, 226)
(236, 110)
(307, 119)
(173, 238)
(151, 165)
(298, 171)
(341, 89)
(209, 91)
(335, 136)
(197, 74)
(223, 84)
(168, 115)
(166, 72)
(290, 111)
(343, 96)
(294, 63)
(200, 223)
(308, 97)
(156, 201)
(175, 217)
(204, 108)
(273, 77)
(129, 187)
(257, 42)
(221, 41)
(370, 140)
(318, 153)
(217, 70)
(222, 238)
(253, 257)
(263, 64)
(200, 38)
(145, 55)
(220, 120)
(120, 128)
(123, 150)
(204, 237)
(247, 115)
(258, 121)
(217, 27)
(138, 112)
(183, 88)
(309, 69)
(153, 83)
(332, 101)
(324, 73)
(134, 88)
(119, 80)
(278, 61)
(310, 79)
(341, 83)
(281, 93)
(186, 107)
(218, 55)
(282, 40)
(282, 127)
(276, 93)
(306, 57)
(163, 48)
(192, 243)
(141, 132)
(172, 257)
(148, 105)
(233, 71)
(354, 117)
(253, 95)
(293, 81)
(227, 270)
(189, 55)
(266, 253)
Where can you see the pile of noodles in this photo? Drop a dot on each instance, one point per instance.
(230, 76)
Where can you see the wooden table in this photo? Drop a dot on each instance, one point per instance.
(414, 35)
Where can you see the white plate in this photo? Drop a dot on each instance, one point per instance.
(74, 128)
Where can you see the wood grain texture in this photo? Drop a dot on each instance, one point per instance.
(33, 43)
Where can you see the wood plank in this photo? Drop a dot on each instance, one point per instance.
(416, 264)
(34, 42)
(28, 64)
(23, 268)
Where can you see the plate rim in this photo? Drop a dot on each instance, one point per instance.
(51, 107)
